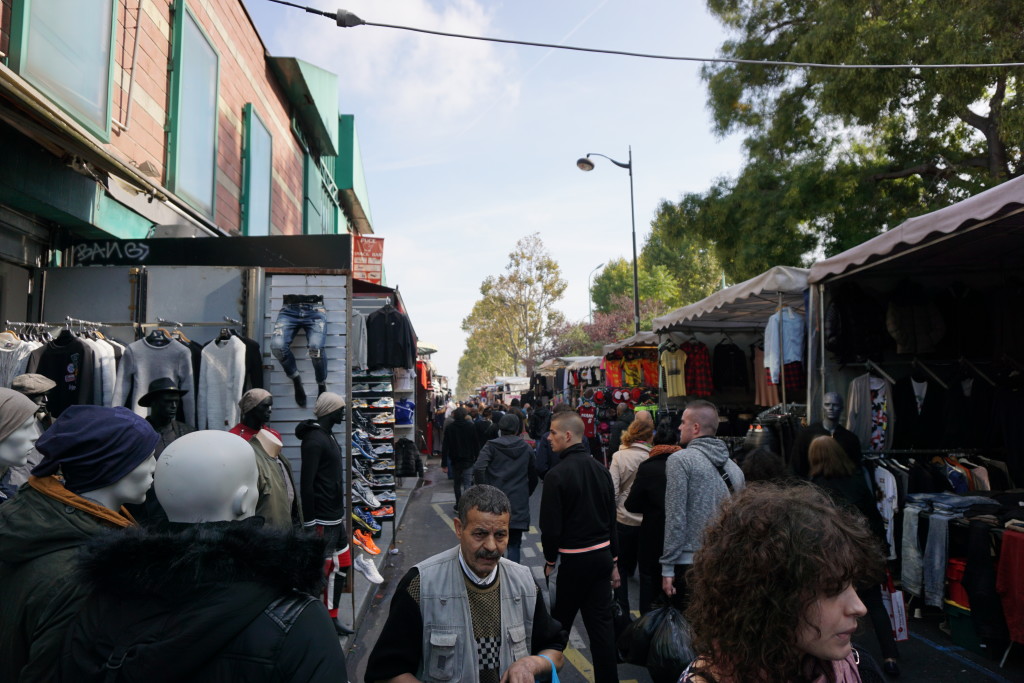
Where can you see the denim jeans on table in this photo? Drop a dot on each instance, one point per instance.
(312, 319)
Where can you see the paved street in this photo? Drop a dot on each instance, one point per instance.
(929, 656)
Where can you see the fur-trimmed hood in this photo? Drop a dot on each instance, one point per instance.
(176, 560)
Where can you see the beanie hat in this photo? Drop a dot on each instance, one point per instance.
(327, 403)
(509, 424)
(252, 398)
(94, 446)
(15, 410)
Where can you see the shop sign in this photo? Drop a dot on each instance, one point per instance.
(368, 258)
(294, 251)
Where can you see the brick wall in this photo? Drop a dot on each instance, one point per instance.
(244, 77)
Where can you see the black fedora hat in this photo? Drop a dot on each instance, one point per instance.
(163, 385)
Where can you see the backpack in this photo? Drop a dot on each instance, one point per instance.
(539, 423)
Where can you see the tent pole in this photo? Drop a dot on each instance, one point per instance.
(782, 355)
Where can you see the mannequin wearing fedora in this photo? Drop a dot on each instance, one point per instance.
(105, 458)
(18, 434)
(163, 400)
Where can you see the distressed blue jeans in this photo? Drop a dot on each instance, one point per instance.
(312, 319)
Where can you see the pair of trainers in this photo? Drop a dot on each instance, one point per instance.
(384, 419)
(384, 402)
(363, 494)
(367, 568)
(363, 540)
(383, 466)
(384, 512)
(386, 496)
(365, 521)
(382, 480)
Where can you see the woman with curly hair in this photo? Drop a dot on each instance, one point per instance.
(635, 446)
(773, 589)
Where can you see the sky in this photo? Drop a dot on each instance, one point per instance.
(469, 146)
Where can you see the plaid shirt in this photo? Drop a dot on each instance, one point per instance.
(698, 369)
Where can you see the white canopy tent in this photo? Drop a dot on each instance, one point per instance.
(586, 362)
(638, 339)
(744, 306)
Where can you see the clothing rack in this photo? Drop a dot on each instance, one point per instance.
(927, 451)
(85, 323)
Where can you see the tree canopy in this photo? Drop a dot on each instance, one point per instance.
(834, 156)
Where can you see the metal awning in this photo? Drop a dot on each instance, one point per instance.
(744, 306)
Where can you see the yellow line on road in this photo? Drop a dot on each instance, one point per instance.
(445, 516)
(580, 663)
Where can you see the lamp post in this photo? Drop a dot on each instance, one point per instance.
(590, 295)
(585, 164)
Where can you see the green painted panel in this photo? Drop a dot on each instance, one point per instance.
(313, 93)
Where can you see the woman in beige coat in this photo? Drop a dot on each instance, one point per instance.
(636, 447)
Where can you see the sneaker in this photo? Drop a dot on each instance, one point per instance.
(360, 387)
(385, 402)
(383, 433)
(360, 477)
(384, 419)
(365, 521)
(384, 449)
(383, 465)
(380, 372)
(383, 386)
(359, 450)
(365, 541)
(386, 496)
(359, 403)
(382, 480)
(363, 493)
(365, 567)
(385, 511)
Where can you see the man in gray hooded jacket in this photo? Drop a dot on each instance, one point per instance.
(699, 478)
(508, 463)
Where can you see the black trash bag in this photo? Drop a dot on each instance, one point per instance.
(635, 642)
(620, 618)
(671, 648)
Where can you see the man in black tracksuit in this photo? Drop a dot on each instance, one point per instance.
(577, 524)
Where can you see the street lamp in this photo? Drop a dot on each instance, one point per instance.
(585, 164)
(590, 295)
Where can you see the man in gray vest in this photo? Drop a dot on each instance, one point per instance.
(487, 619)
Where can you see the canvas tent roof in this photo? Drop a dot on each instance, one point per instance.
(983, 230)
(638, 339)
(746, 305)
(588, 362)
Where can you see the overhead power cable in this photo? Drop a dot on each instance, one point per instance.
(346, 19)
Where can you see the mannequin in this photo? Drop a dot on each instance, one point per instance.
(207, 476)
(18, 434)
(302, 312)
(105, 459)
(832, 410)
(279, 501)
(215, 578)
(36, 388)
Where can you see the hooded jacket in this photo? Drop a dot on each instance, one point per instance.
(224, 601)
(508, 464)
(323, 496)
(647, 498)
(460, 446)
(693, 492)
(41, 529)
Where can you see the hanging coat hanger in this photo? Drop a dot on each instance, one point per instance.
(928, 371)
(875, 369)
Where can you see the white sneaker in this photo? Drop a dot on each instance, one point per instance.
(368, 569)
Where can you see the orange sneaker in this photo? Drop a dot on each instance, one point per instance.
(384, 511)
(365, 541)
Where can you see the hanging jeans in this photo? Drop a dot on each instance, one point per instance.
(311, 318)
(911, 574)
(936, 555)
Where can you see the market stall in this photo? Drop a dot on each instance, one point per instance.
(741, 347)
(920, 330)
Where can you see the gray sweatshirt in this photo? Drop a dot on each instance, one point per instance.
(693, 492)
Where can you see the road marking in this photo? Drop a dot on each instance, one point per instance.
(580, 663)
(529, 552)
(533, 530)
(963, 660)
(576, 640)
(445, 516)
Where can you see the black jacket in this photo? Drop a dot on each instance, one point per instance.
(460, 445)
(226, 601)
(620, 425)
(577, 508)
(802, 445)
(647, 497)
(508, 464)
(320, 489)
(539, 423)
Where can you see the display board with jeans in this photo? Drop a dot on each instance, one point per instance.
(306, 313)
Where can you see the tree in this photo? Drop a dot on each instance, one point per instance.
(689, 258)
(655, 283)
(835, 156)
(515, 318)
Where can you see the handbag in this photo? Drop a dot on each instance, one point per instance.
(554, 671)
(896, 608)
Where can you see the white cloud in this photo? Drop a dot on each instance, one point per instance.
(420, 84)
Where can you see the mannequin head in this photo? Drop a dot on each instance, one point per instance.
(18, 430)
(207, 476)
(105, 454)
(329, 409)
(832, 408)
(162, 400)
(256, 406)
(34, 386)
(130, 489)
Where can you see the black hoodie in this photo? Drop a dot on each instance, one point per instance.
(226, 601)
(509, 464)
(320, 488)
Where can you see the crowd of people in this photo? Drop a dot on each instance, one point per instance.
(772, 570)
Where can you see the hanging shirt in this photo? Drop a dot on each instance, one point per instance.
(632, 372)
(698, 369)
(790, 349)
(674, 363)
(589, 415)
(613, 371)
(879, 414)
(650, 372)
